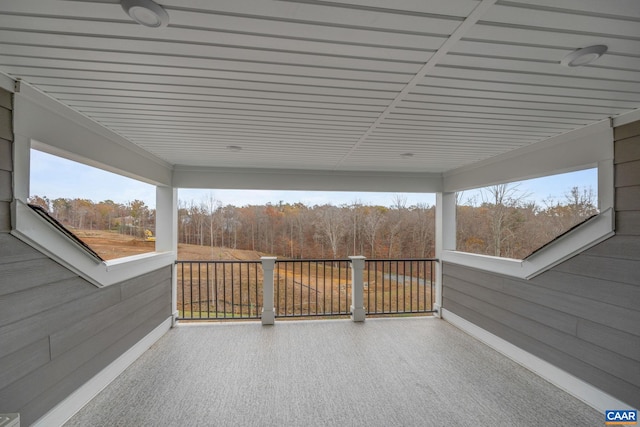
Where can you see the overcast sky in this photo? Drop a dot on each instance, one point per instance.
(55, 177)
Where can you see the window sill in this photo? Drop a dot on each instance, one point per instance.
(582, 238)
(37, 232)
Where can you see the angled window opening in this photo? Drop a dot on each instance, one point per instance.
(559, 160)
(517, 220)
(60, 239)
(106, 215)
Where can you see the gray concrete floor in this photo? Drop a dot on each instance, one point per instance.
(383, 372)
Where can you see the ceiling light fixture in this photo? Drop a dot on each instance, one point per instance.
(583, 56)
(234, 148)
(146, 12)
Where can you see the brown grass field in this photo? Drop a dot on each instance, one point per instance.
(111, 245)
(221, 283)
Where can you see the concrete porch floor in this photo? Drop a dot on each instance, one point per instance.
(384, 372)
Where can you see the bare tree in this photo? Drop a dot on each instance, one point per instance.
(212, 206)
(423, 230)
(394, 223)
(331, 223)
(500, 200)
(399, 202)
(355, 211)
(372, 221)
(582, 204)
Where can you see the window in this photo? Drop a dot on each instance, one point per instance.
(111, 214)
(514, 220)
(57, 179)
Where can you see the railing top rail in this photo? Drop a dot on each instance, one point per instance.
(314, 260)
(401, 259)
(257, 261)
(218, 261)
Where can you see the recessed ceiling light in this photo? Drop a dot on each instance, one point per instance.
(583, 56)
(146, 12)
(406, 155)
(235, 148)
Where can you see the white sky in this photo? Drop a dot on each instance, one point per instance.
(55, 177)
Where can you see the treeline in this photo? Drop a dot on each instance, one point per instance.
(505, 223)
(500, 221)
(300, 231)
(131, 218)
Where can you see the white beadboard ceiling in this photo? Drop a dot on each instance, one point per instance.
(347, 85)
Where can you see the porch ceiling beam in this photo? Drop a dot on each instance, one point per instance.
(309, 180)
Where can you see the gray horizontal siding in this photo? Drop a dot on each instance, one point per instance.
(6, 123)
(627, 173)
(13, 251)
(628, 223)
(142, 304)
(623, 390)
(605, 268)
(44, 380)
(6, 163)
(547, 316)
(58, 330)
(6, 192)
(627, 150)
(6, 159)
(539, 291)
(583, 315)
(17, 334)
(44, 271)
(83, 373)
(628, 198)
(623, 134)
(6, 99)
(626, 344)
(619, 246)
(23, 304)
(27, 359)
(583, 287)
(568, 342)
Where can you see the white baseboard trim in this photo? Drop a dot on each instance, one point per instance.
(64, 410)
(584, 391)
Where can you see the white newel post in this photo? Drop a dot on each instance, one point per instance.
(357, 288)
(268, 315)
(445, 238)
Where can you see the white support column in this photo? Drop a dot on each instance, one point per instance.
(268, 315)
(21, 172)
(357, 288)
(445, 237)
(21, 166)
(167, 235)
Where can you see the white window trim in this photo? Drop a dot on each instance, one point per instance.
(578, 240)
(576, 150)
(37, 232)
